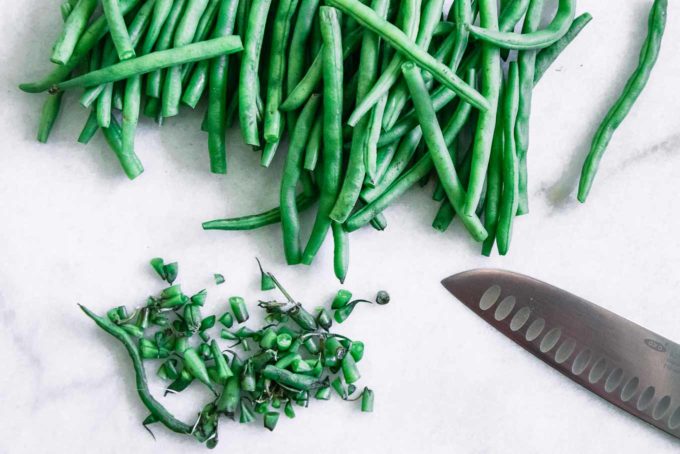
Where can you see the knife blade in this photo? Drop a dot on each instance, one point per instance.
(633, 368)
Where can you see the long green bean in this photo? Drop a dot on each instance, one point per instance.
(636, 83)
(256, 221)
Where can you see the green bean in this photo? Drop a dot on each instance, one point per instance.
(250, 62)
(117, 96)
(217, 93)
(491, 80)
(155, 60)
(310, 81)
(89, 129)
(242, 18)
(118, 29)
(104, 106)
(400, 41)
(85, 44)
(442, 96)
(462, 10)
(203, 29)
(65, 9)
(547, 56)
(340, 251)
(332, 129)
(314, 145)
(159, 412)
(74, 26)
(527, 65)
(298, 42)
(290, 222)
(399, 94)
(131, 106)
(356, 167)
(273, 126)
(257, 221)
(510, 196)
(438, 150)
(494, 187)
(618, 112)
(290, 379)
(154, 79)
(48, 115)
(196, 84)
(184, 34)
(410, 11)
(374, 129)
(161, 12)
(538, 39)
(128, 160)
(379, 222)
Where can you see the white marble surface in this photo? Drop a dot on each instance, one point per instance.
(73, 230)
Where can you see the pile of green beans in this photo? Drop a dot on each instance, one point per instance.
(370, 97)
(292, 359)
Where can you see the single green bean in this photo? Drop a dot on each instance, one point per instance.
(510, 196)
(618, 112)
(184, 34)
(74, 27)
(216, 115)
(298, 43)
(203, 29)
(438, 150)
(131, 107)
(48, 115)
(155, 60)
(491, 81)
(154, 80)
(104, 105)
(332, 129)
(400, 41)
(547, 56)
(196, 85)
(410, 11)
(290, 222)
(340, 251)
(273, 120)
(527, 67)
(257, 221)
(250, 62)
(118, 29)
(128, 161)
(356, 166)
(538, 39)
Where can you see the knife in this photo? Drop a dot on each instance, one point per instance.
(631, 367)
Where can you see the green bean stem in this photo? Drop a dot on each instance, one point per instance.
(538, 39)
(618, 112)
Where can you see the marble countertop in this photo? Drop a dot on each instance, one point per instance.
(74, 230)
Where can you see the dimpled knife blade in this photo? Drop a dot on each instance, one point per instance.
(624, 363)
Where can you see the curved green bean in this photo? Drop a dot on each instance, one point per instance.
(118, 29)
(290, 222)
(618, 112)
(400, 41)
(332, 129)
(538, 39)
(410, 11)
(184, 34)
(491, 81)
(250, 63)
(162, 59)
(74, 26)
(256, 221)
(510, 196)
(85, 44)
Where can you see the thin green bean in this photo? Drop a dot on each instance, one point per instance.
(260, 220)
(618, 112)
(128, 161)
(154, 80)
(494, 188)
(74, 27)
(340, 251)
(48, 115)
(547, 56)
(314, 145)
(298, 43)
(118, 29)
